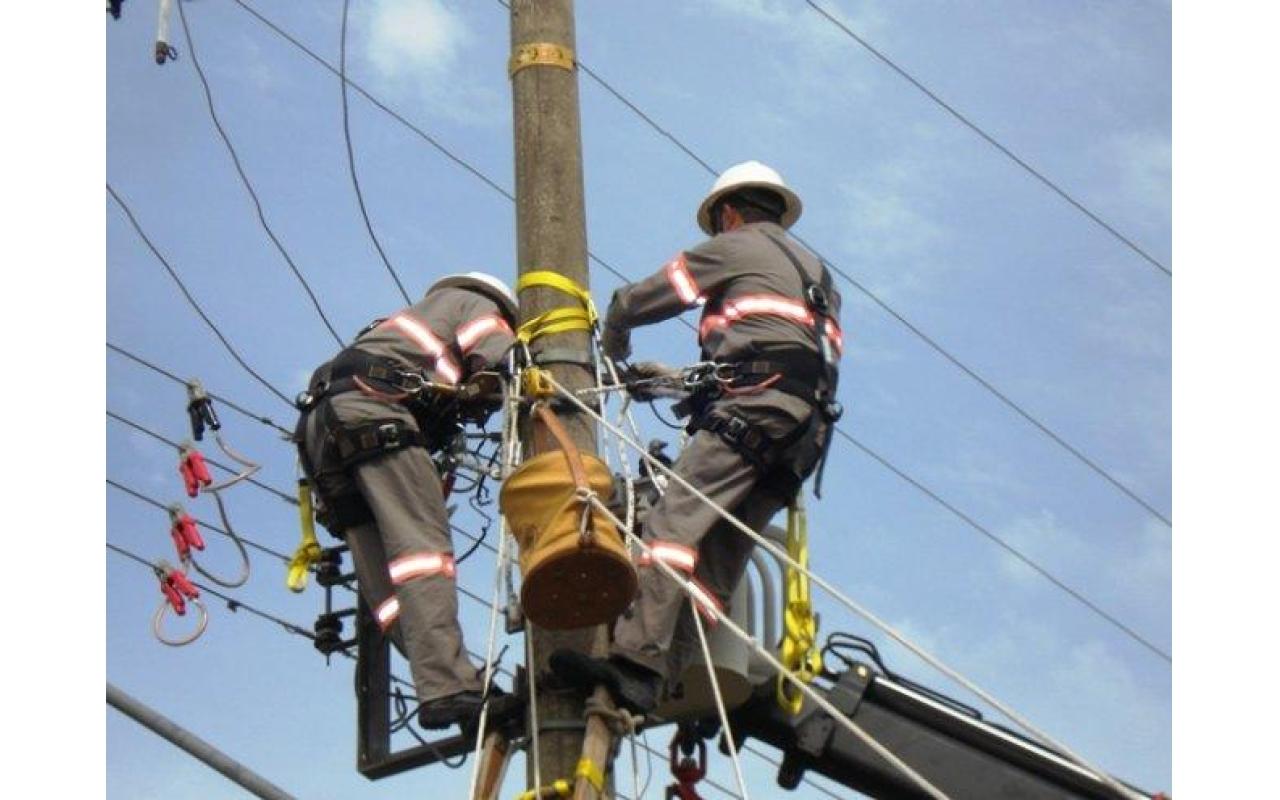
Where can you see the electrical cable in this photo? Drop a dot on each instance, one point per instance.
(1013, 551)
(857, 284)
(183, 288)
(828, 587)
(244, 178)
(265, 420)
(927, 339)
(207, 525)
(290, 499)
(351, 157)
(989, 138)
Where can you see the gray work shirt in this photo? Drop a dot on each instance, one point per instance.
(751, 295)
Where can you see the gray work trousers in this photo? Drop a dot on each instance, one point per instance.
(409, 534)
(658, 631)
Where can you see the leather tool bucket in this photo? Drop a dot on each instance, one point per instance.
(576, 570)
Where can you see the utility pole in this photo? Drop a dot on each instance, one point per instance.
(551, 235)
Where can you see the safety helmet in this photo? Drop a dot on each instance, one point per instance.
(749, 175)
(489, 286)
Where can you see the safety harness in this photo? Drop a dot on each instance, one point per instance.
(355, 370)
(798, 371)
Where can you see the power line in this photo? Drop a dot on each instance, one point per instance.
(171, 376)
(351, 157)
(879, 458)
(989, 138)
(927, 339)
(210, 526)
(183, 288)
(426, 137)
(159, 437)
(244, 178)
(1015, 552)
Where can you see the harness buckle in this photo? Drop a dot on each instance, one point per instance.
(816, 298)
(388, 435)
(304, 401)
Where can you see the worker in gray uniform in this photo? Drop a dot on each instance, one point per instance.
(770, 319)
(364, 438)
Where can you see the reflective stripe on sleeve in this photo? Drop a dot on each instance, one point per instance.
(682, 281)
(387, 612)
(429, 343)
(471, 333)
(420, 565)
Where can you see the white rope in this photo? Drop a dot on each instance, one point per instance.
(249, 469)
(489, 648)
(715, 690)
(724, 619)
(855, 607)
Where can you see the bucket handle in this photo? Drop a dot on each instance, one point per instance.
(573, 457)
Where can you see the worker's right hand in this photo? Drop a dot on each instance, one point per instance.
(648, 380)
(616, 343)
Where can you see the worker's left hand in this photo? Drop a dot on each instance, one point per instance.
(648, 380)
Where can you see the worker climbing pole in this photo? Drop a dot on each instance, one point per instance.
(551, 238)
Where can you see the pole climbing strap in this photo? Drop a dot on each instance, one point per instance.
(309, 552)
(799, 650)
(557, 320)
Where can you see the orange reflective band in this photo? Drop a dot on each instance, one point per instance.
(676, 556)
(682, 281)
(387, 612)
(471, 333)
(420, 565)
(430, 344)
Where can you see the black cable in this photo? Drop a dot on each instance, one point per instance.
(351, 158)
(265, 420)
(181, 286)
(988, 138)
(232, 603)
(875, 298)
(446, 152)
(1018, 554)
(244, 178)
(208, 525)
(288, 498)
(893, 468)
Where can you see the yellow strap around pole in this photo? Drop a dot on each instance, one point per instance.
(799, 650)
(560, 319)
(561, 788)
(308, 552)
(557, 320)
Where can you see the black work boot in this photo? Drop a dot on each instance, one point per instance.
(632, 686)
(463, 708)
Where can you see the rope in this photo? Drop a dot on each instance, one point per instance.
(841, 598)
(720, 709)
(510, 422)
(250, 468)
(725, 620)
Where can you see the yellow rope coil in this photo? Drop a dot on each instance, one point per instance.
(308, 552)
(799, 652)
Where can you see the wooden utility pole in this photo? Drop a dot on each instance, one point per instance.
(551, 235)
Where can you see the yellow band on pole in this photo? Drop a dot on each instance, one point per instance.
(591, 771)
(557, 320)
(540, 54)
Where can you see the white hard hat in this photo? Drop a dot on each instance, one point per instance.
(748, 175)
(493, 288)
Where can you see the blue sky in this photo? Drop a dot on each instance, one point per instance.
(1020, 286)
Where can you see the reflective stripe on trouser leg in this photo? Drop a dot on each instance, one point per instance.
(403, 491)
(644, 633)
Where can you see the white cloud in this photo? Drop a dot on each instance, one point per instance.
(414, 38)
(420, 46)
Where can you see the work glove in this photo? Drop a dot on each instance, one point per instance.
(647, 380)
(616, 343)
